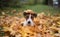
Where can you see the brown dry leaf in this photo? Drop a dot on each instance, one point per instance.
(48, 35)
(42, 24)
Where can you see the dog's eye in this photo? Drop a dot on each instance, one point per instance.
(32, 16)
(28, 13)
(27, 17)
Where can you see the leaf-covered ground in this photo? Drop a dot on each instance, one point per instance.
(45, 26)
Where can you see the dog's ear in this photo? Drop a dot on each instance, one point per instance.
(35, 15)
(24, 13)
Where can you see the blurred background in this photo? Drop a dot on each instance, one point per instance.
(14, 6)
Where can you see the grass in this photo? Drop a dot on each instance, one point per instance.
(36, 8)
(42, 8)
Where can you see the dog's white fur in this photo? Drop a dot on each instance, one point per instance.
(25, 23)
(29, 19)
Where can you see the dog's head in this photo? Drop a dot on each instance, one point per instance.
(29, 16)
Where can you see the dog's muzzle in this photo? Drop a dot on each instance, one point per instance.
(28, 22)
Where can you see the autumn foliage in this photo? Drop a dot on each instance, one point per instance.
(45, 26)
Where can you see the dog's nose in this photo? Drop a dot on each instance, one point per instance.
(29, 22)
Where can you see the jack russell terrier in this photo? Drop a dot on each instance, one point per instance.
(29, 16)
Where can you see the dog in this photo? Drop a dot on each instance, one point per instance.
(29, 16)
